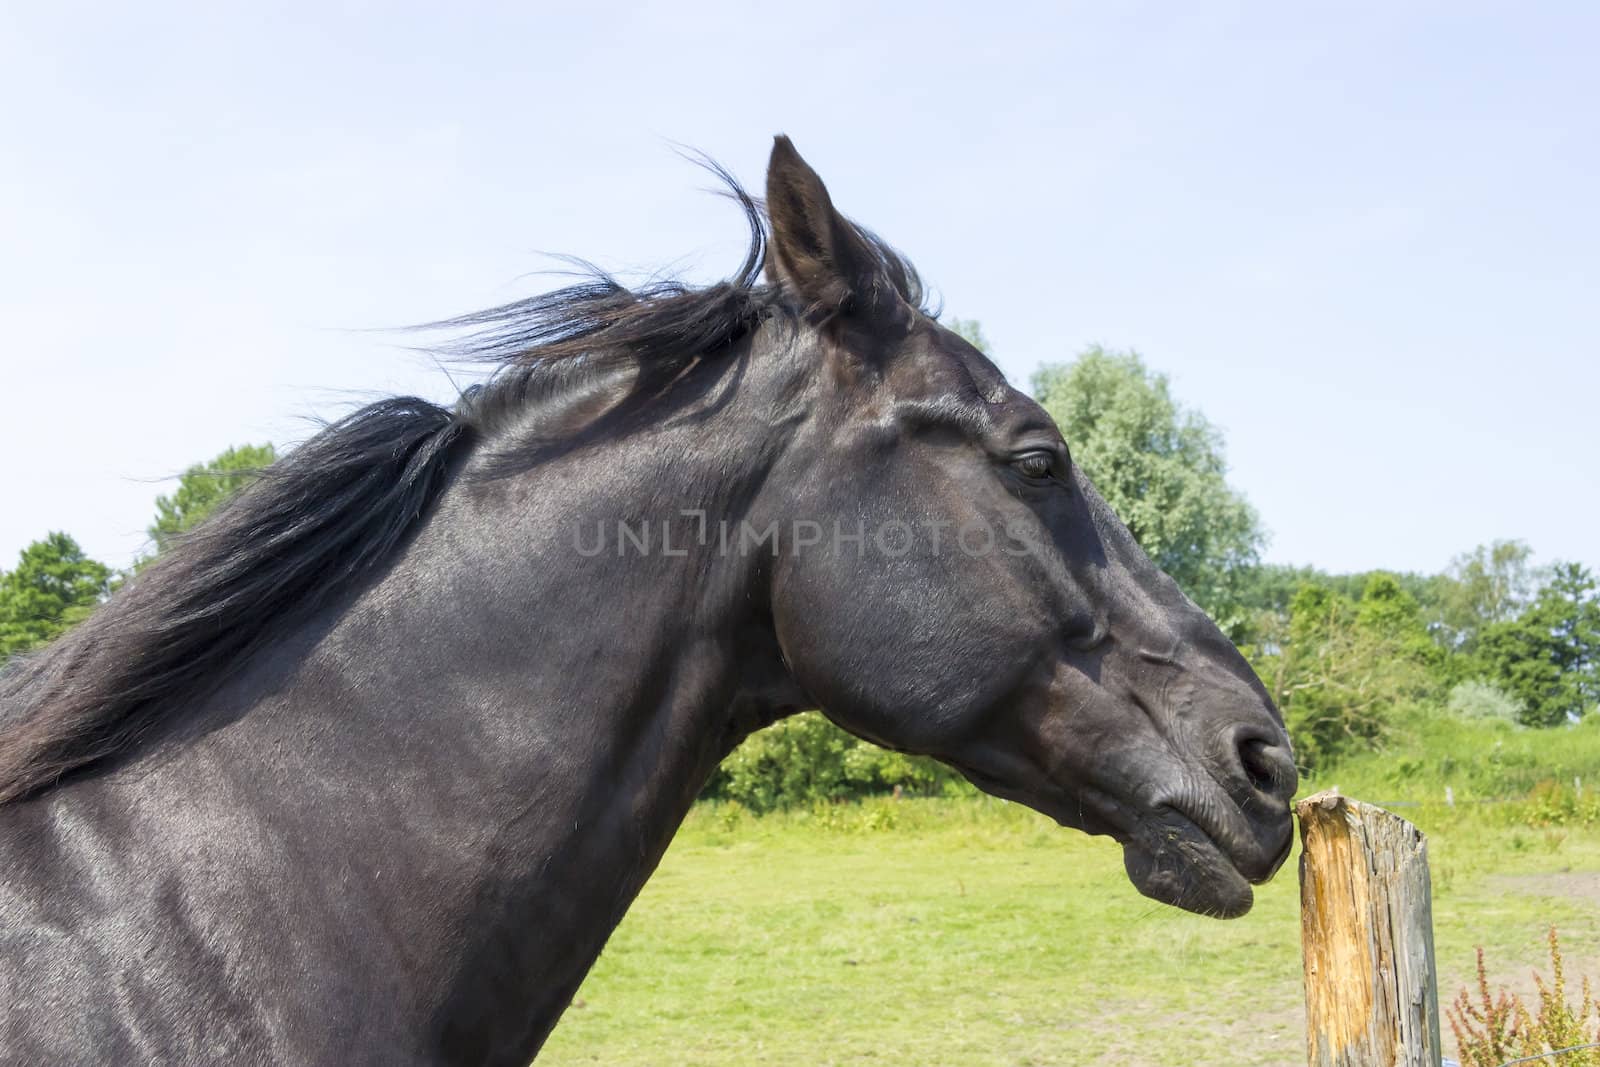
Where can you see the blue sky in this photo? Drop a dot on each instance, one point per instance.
(1363, 239)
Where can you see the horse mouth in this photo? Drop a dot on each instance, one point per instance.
(1204, 866)
(1176, 862)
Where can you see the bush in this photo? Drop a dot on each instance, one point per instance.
(1345, 670)
(1550, 805)
(805, 760)
(1482, 700)
(1491, 1030)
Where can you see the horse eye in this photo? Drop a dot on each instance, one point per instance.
(1037, 465)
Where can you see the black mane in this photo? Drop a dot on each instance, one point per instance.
(326, 515)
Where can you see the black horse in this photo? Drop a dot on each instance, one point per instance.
(368, 768)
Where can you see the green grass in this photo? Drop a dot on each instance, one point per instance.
(970, 931)
(1478, 760)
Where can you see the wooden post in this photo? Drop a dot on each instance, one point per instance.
(1366, 929)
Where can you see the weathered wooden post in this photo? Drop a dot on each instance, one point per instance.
(1366, 929)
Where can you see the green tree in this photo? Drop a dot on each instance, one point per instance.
(1548, 657)
(1344, 667)
(54, 586)
(1161, 468)
(972, 331)
(1266, 590)
(1492, 583)
(1390, 611)
(1271, 587)
(203, 488)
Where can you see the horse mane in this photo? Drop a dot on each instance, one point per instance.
(326, 516)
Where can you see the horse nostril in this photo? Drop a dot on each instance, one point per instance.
(1268, 767)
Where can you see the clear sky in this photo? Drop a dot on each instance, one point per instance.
(1364, 239)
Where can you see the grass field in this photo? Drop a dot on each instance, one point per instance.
(970, 931)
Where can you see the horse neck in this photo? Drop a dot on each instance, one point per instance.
(517, 729)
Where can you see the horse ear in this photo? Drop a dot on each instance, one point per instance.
(817, 253)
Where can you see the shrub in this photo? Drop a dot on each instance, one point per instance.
(1483, 700)
(1346, 669)
(1550, 804)
(1491, 1030)
(805, 760)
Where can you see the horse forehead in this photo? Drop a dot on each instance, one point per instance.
(940, 371)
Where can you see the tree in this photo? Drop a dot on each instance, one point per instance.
(1266, 590)
(1161, 468)
(1390, 611)
(1345, 667)
(203, 488)
(1548, 657)
(972, 332)
(54, 586)
(1492, 583)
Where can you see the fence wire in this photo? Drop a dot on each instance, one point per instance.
(1547, 1055)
